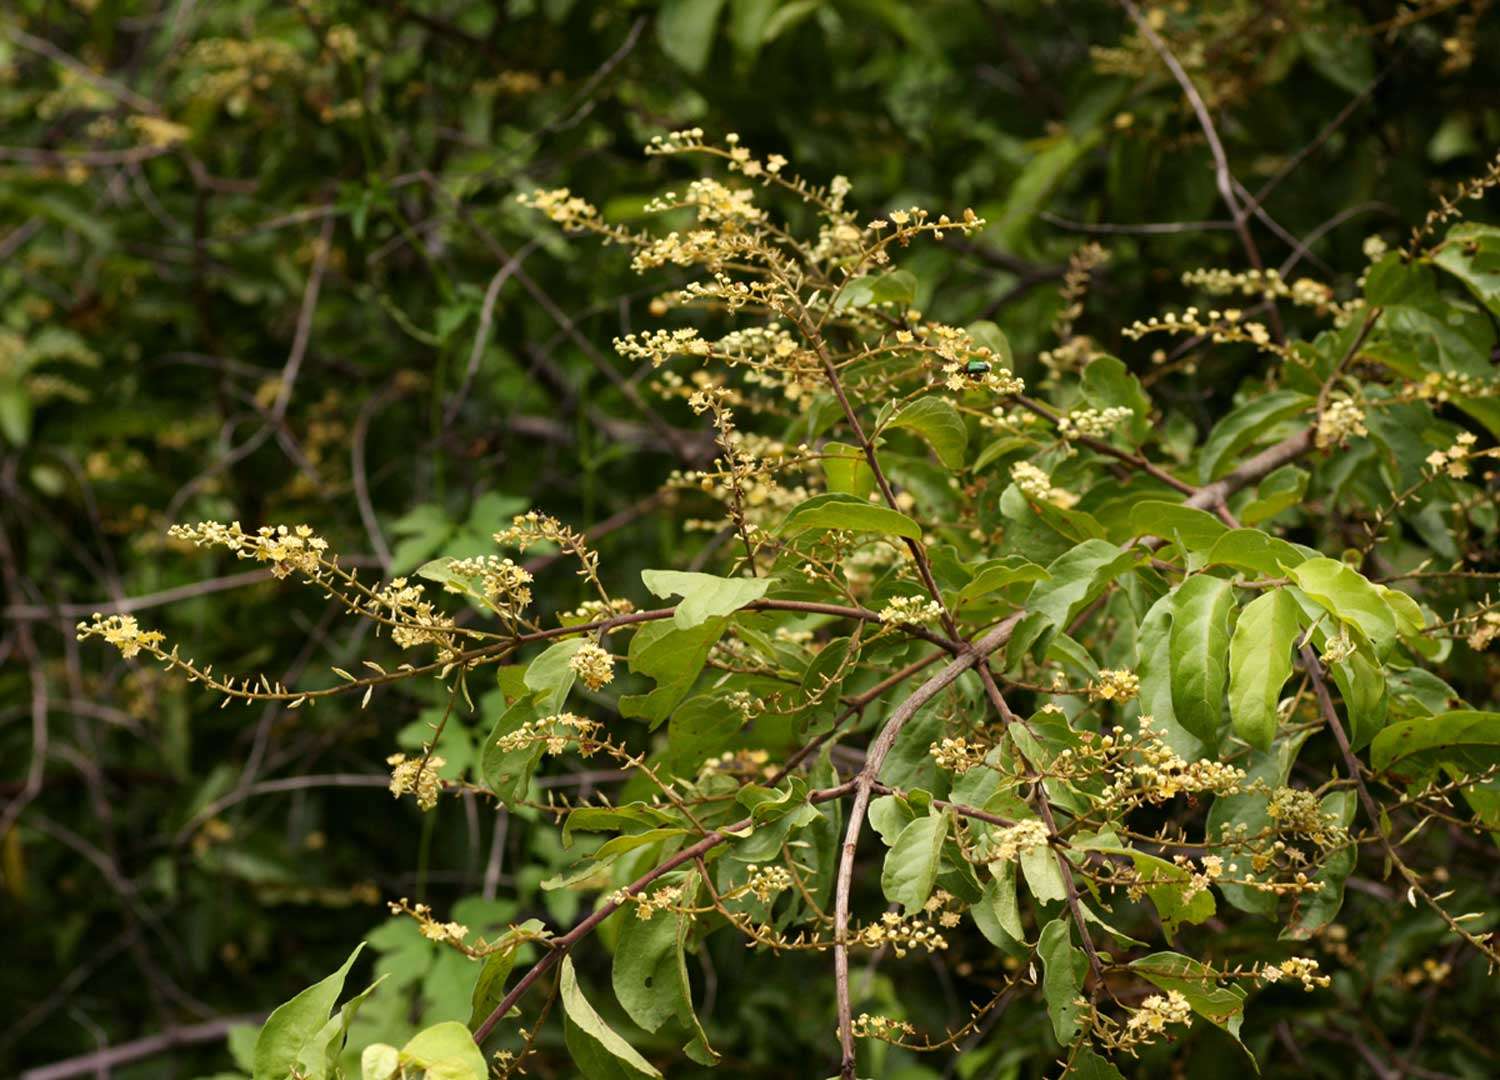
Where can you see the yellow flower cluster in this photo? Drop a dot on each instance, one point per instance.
(121, 631)
(418, 777)
(554, 733)
(593, 665)
(1009, 843)
(884, 1028)
(958, 755)
(287, 549)
(415, 620)
(1155, 1015)
(767, 882)
(1342, 420)
(1298, 968)
(1454, 461)
(910, 611)
(1114, 685)
(1037, 485)
(902, 933)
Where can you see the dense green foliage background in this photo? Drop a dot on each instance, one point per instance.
(319, 302)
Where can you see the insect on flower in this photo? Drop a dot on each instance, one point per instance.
(977, 369)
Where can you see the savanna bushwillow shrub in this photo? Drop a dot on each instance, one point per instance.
(1047, 672)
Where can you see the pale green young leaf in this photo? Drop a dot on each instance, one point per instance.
(998, 912)
(846, 470)
(1193, 530)
(704, 596)
(1347, 595)
(445, 1051)
(295, 1023)
(1255, 552)
(1260, 662)
(550, 676)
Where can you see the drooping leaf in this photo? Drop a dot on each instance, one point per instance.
(1223, 1006)
(596, 1047)
(1063, 968)
(1077, 577)
(704, 596)
(1260, 662)
(686, 29)
(1466, 741)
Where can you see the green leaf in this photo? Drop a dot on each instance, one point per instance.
(685, 29)
(1168, 885)
(1471, 253)
(645, 969)
(998, 912)
(1108, 384)
(846, 470)
(296, 1022)
(1281, 490)
(895, 287)
(987, 335)
(911, 866)
(596, 1048)
(1191, 529)
(1223, 1006)
(1349, 597)
(550, 676)
(1199, 646)
(1154, 668)
(837, 511)
(996, 574)
(704, 596)
(445, 1051)
(490, 987)
(1250, 423)
(1247, 811)
(936, 420)
(1077, 577)
(1254, 551)
(1260, 662)
(673, 657)
(1466, 741)
(1063, 968)
(15, 412)
(507, 773)
(1087, 1065)
(320, 1055)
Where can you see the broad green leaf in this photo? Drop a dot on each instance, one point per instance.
(987, 335)
(685, 29)
(596, 1047)
(320, 1055)
(1063, 968)
(1349, 597)
(507, 773)
(1199, 645)
(1248, 424)
(704, 596)
(1193, 530)
(1153, 667)
(836, 511)
(1107, 383)
(1254, 551)
(1043, 876)
(1260, 662)
(846, 470)
(645, 969)
(938, 423)
(445, 1051)
(1088, 1065)
(911, 866)
(1223, 1006)
(550, 676)
(895, 287)
(1471, 253)
(296, 1022)
(673, 657)
(1465, 741)
(1077, 577)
